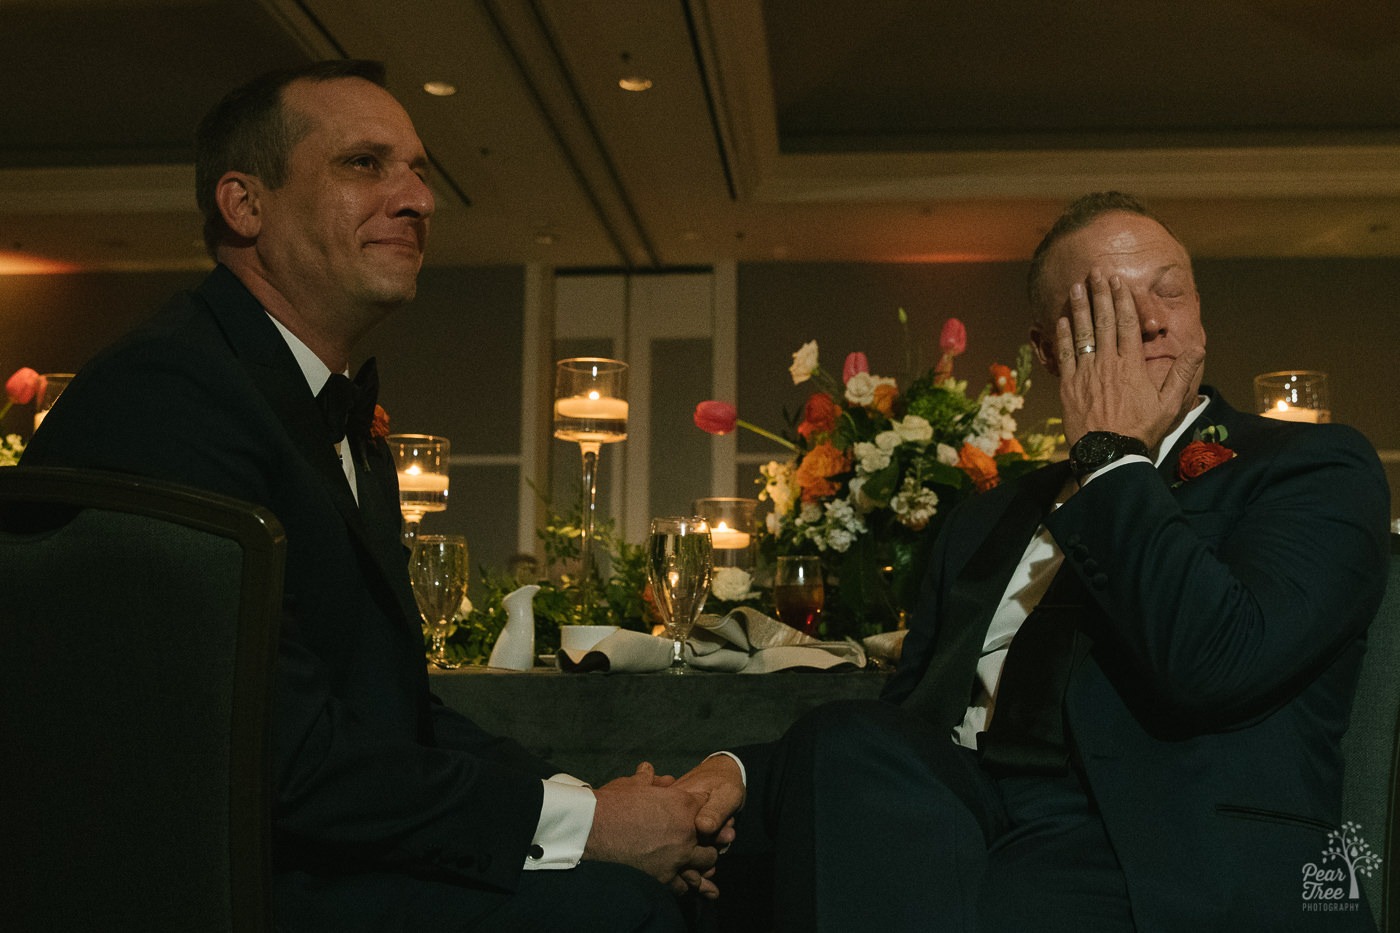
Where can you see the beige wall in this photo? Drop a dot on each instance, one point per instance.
(1339, 316)
(451, 362)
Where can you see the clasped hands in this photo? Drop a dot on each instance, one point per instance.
(1105, 384)
(671, 829)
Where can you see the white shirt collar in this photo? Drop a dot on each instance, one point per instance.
(315, 371)
(1170, 440)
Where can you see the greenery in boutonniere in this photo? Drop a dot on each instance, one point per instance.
(620, 595)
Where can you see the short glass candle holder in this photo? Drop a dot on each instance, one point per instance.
(1298, 395)
(733, 529)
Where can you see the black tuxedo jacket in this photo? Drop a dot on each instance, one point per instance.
(1226, 617)
(372, 772)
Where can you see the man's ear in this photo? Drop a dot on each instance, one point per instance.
(238, 196)
(1044, 346)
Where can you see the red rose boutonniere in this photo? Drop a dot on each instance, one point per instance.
(1205, 452)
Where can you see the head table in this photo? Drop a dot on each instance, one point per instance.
(598, 726)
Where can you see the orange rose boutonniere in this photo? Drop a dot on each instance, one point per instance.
(1206, 452)
(379, 426)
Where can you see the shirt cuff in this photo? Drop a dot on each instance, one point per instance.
(566, 818)
(743, 772)
(1126, 458)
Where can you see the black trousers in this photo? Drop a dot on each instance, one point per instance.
(595, 897)
(866, 818)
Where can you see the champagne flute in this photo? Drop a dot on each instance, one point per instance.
(422, 462)
(679, 569)
(798, 593)
(438, 569)
(590, 408)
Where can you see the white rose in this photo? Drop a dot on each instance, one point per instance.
(870, 458)
(860, 390)
(914, 429)
(731, 584)
(887, 441)
(804, 362)
(947, 455)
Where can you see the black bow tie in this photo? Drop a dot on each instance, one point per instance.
(348, 407)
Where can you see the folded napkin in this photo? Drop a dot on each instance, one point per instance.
(744, 641)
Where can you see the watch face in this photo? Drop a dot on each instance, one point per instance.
(1096, 448)
(1100, 448)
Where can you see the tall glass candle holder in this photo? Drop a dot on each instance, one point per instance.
(733, 530)
(590, 409)
(422, 464)
(1299, 395)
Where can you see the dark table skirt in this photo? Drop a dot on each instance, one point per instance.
(598, 726)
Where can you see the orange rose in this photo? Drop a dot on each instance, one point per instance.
(1199, 456)
(814, 473)
(1003, 379)
(885, 396)
(379, 427)
(819, 415)
(981, 468)
(1011, 446)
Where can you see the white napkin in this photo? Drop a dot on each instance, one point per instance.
(745, 641)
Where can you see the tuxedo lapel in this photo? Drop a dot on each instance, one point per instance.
(274, 371)
(944, 690)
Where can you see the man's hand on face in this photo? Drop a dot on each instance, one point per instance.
(648, 822)
(1109, 387)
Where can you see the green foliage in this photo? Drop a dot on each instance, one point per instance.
(615, 594)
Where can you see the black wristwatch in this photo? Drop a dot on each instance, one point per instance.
(1098, 449)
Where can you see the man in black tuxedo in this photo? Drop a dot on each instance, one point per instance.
(392, 811)
(1188, 595)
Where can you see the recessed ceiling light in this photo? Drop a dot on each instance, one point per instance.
(440, 88)
(544, 239)
(635, 83)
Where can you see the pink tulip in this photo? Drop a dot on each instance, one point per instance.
(855, 363)
(24, 385)
(716, 417)
(953, 339)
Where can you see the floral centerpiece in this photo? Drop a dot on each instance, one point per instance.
(873, 469)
